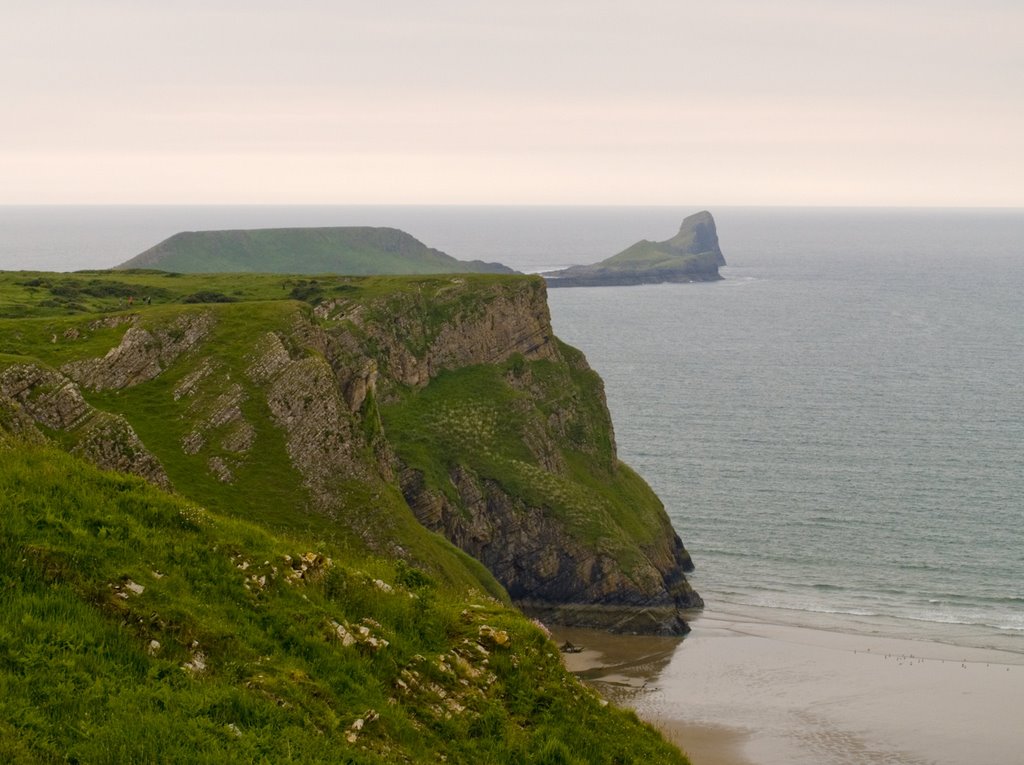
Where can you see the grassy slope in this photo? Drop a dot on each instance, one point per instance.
(349, 250)
(652, 256)
(81, 679)
(489, 418)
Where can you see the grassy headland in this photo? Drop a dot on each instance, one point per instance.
(243, 617)
(356, 250)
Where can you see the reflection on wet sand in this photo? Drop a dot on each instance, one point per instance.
(624, 668)
(614, 664)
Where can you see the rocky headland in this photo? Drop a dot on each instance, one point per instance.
(692, 255)
(271, 518)
(447, 400)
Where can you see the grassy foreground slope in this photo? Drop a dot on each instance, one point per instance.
(136, 626)
(356, 250)
(243, 618)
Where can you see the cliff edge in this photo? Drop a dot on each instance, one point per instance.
(378, 409)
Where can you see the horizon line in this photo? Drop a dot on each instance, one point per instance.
(496, 205)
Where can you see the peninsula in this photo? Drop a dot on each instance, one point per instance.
(355, 250)
(692, 255)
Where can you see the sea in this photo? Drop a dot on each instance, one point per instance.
(836, 428)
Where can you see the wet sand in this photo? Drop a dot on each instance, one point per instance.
(742, 690)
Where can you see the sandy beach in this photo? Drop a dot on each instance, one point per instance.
(747, 688)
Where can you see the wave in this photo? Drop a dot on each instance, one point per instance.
(1007, 623)
(785, 605)
(974, 599)
(967, 622)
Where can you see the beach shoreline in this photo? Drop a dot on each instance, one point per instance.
(751, 686)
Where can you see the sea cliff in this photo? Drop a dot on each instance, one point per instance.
(444, 398)
(262, 569)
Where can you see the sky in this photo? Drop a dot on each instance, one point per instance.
(568, 102)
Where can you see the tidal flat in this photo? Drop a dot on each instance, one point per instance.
(752, 686)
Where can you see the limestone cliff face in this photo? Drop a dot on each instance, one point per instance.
(413, 340)
(450, 392)
(324, 439)
(559, 552)
(551, 573)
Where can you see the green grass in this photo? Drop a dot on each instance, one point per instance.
(94, 567)
(25, 294)
(348, 250)
(266, 485)
(650, 256)
(477, 417)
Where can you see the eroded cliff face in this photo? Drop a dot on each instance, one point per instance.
(142, 354)
(413, 337)
(550, 572)
(452, 391)
(521, 469)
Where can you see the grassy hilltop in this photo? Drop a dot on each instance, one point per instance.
(283, 602)
(358, 250)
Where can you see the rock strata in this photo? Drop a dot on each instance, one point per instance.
(323, 441)
(50, 400)
(142, 354)
(413, 347)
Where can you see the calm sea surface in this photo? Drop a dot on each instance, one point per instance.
(836, 429)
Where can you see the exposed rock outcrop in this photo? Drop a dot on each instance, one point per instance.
(16, 425)
(323, 440)
(47, 398)
(550, 573)
(414, 340)
(142, 354)
(539, 552)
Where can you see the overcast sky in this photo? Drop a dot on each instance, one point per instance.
(826, 102)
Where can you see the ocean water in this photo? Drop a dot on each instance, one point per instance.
(836, 428)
